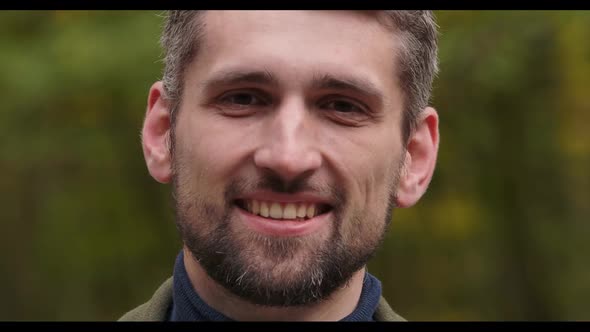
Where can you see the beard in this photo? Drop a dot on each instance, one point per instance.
(277, 271)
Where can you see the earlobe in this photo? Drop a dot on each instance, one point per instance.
(420, 159)
(155, 135)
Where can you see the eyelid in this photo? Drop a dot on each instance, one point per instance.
(356, 118)
(257, 93)
(355, 102)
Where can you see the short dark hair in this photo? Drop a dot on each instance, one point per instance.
(418, 56)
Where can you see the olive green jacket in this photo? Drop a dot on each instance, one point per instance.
(156, 308)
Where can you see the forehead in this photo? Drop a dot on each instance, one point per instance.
(299, 44)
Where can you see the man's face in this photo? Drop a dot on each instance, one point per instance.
(288, 151)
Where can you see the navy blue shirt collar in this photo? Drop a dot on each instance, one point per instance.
(188, 306)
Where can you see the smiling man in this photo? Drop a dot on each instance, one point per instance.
(289, 138)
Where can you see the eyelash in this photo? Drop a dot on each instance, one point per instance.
(223, 99)
(358, 114)
(358, 107)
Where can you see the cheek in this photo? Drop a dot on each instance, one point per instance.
(372, 173)
(211, 149)
(205, 142)
(365, 218)
(195, 155)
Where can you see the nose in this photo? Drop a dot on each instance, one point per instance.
(289, 147)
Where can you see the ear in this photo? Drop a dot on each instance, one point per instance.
(420, 159)
(155, 135)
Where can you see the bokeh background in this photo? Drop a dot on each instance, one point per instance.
(502, 234)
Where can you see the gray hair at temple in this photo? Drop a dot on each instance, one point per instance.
(418, 56)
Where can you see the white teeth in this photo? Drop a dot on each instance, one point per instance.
(264, 209)
(289, 212)
(276, 210)
(301, 211)
(311, 211)
(255, 207)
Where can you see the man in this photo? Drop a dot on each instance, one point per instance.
(288, 137)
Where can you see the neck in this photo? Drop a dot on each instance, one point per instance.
(339, 305)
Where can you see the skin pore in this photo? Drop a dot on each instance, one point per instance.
(287, 109)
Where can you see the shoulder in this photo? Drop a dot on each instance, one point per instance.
(156, 308)
(384, 313)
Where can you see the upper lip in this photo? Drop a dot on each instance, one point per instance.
(271, 196)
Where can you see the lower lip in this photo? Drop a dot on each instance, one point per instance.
(284, 228)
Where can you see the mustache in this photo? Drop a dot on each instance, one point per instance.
(270, 181)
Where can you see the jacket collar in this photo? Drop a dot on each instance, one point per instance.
(157, 307)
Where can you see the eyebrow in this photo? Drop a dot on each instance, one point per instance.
(234, 77)
(353, 84)
(321, 81)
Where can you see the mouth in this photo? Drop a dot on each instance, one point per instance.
(292, 211)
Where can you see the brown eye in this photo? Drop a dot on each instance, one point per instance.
(342, 106)
(241, 99)
(345, 111)
(241, 103)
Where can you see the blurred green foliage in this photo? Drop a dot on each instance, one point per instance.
(502, 233)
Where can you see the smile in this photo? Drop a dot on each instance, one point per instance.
(298, 211)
